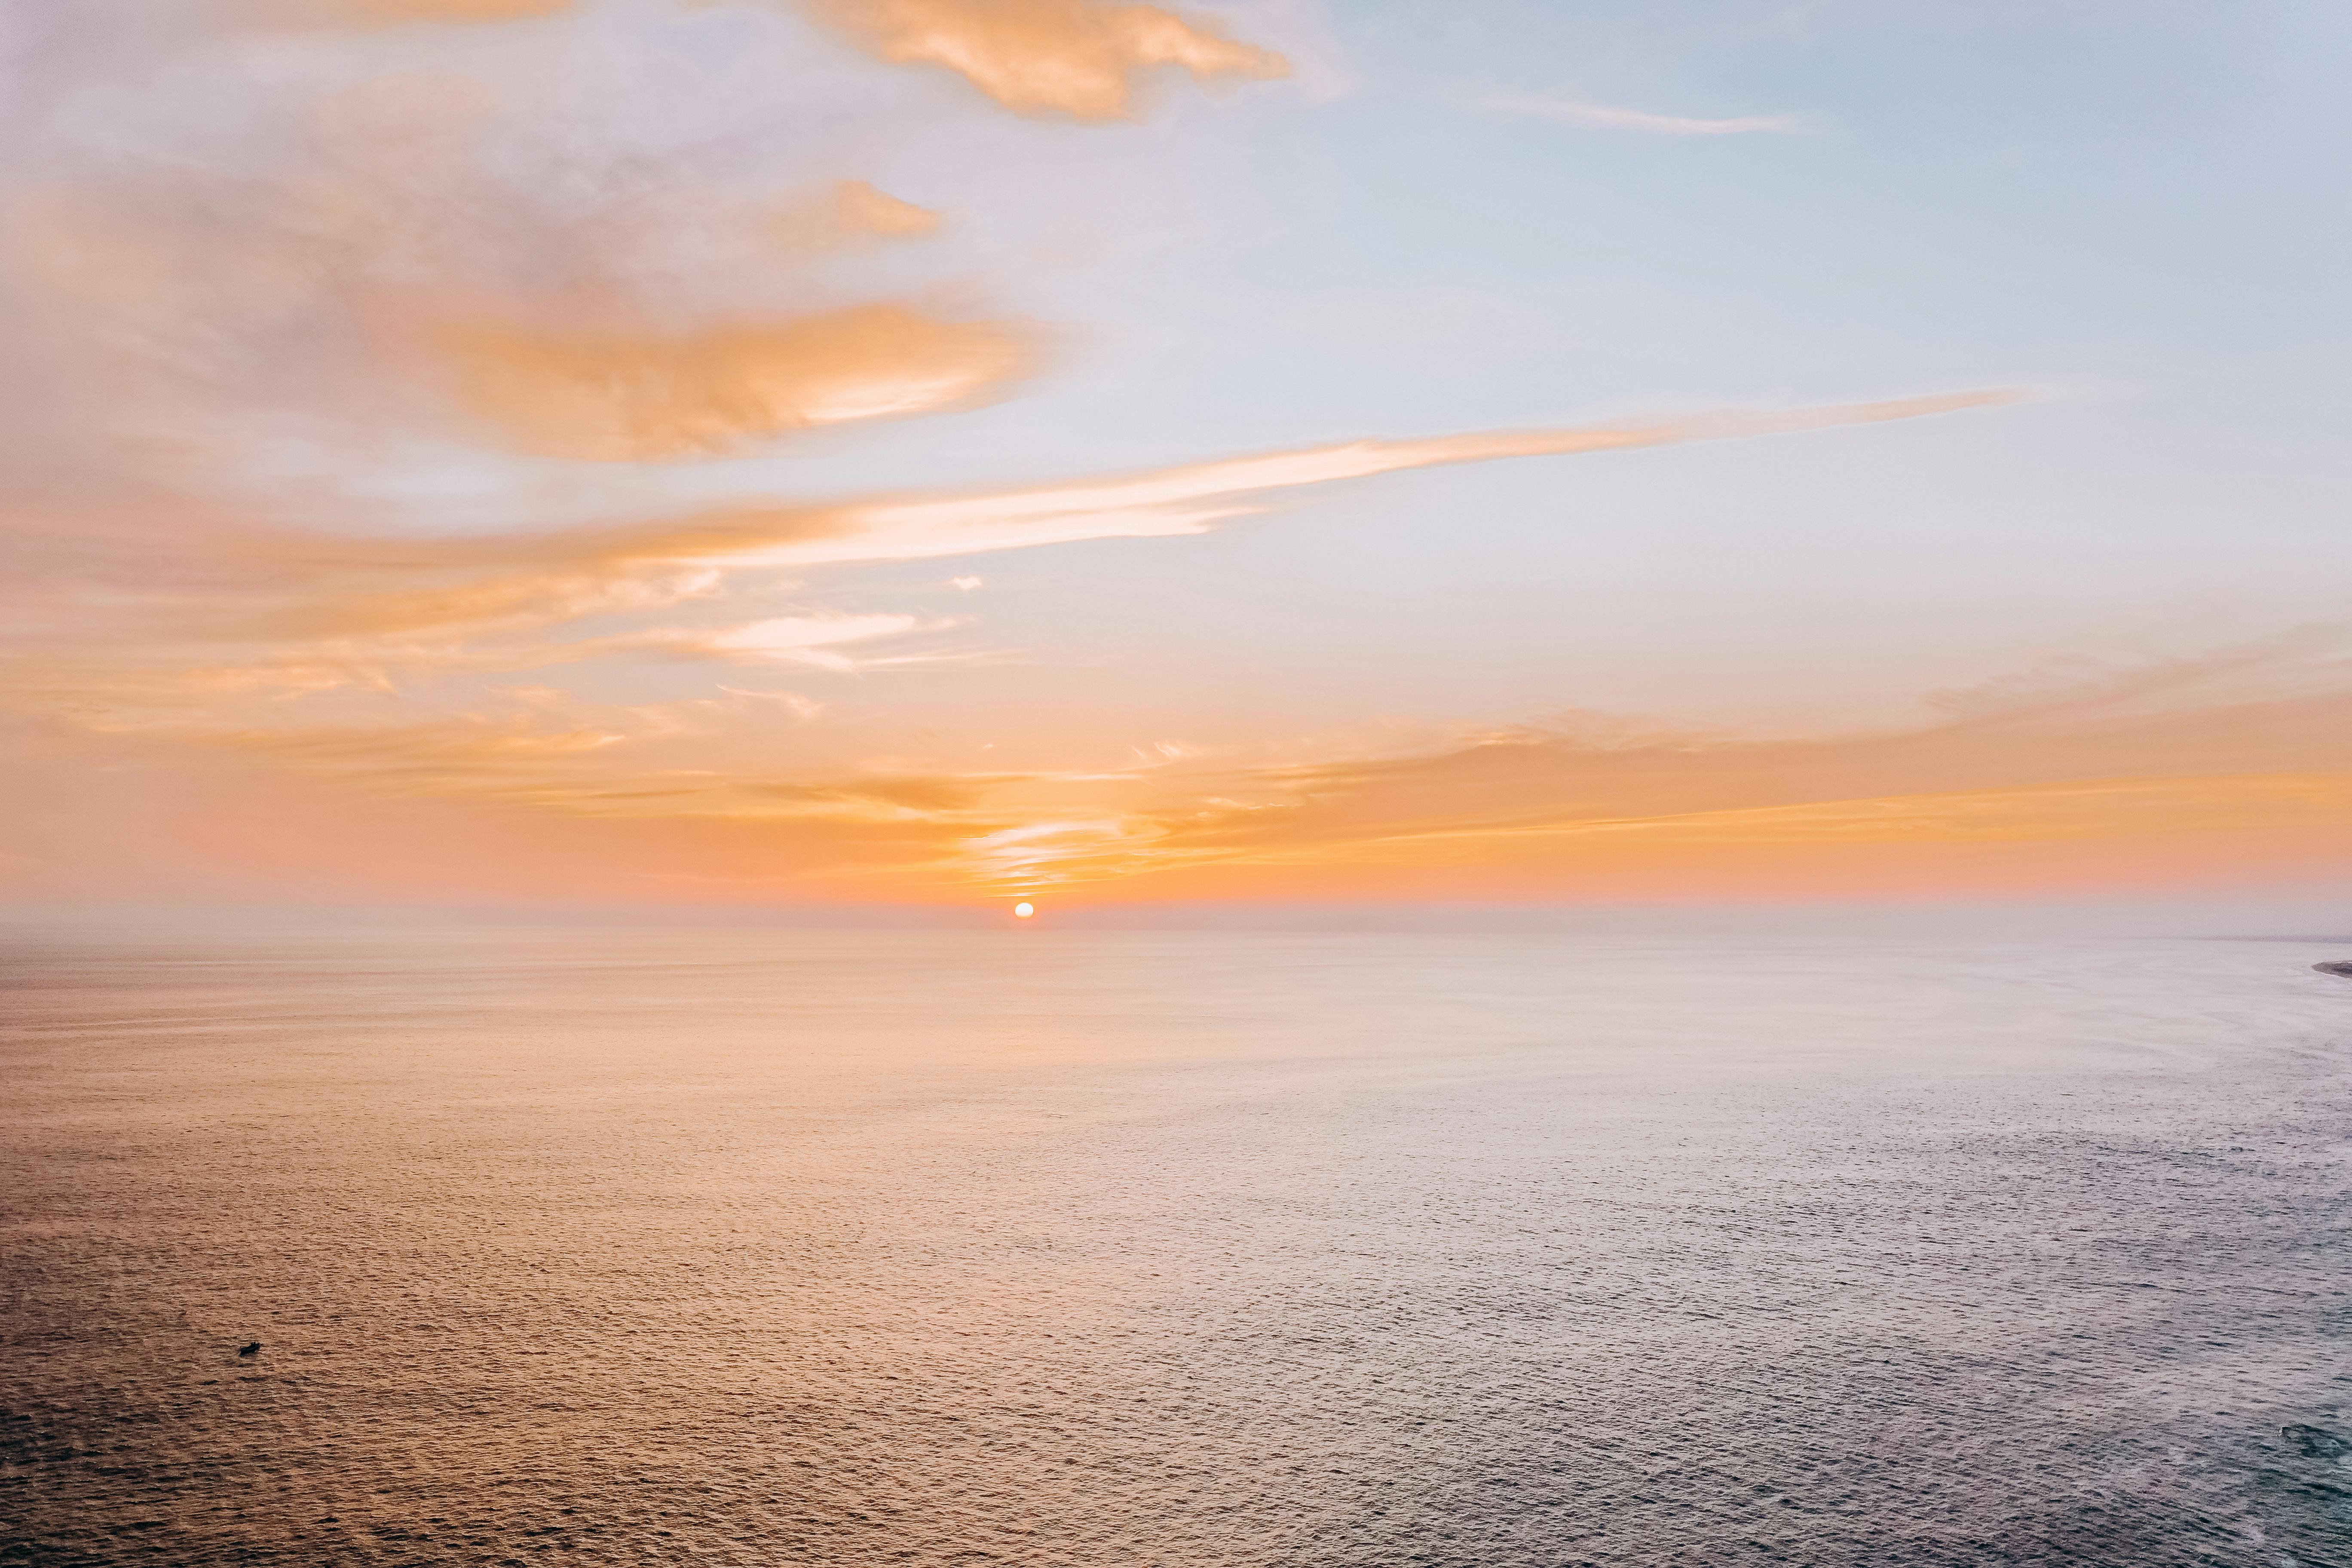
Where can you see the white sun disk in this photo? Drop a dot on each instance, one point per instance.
(1024, 910)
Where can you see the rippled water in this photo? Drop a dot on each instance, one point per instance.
(1041, 1248)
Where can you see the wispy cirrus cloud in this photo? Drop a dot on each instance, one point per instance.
(2237, 764)
(815, 640)
(2250, 747)
(1188, 498)
(312, 612)
(1507, 104)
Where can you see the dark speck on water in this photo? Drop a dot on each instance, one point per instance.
(1067, 1251)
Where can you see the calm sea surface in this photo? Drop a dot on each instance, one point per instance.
(1039, 1247)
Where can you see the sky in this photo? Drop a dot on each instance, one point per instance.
(918, 455)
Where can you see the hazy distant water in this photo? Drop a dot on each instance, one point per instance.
(1034, 1248)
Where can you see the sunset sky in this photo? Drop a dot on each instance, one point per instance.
(931, 453)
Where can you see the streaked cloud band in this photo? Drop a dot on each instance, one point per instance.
(1503, 104)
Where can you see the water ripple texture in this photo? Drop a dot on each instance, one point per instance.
(1072, 1250)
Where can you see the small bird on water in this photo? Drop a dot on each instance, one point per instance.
(250, 1351)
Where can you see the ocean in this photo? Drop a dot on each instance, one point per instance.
(1046, 1247)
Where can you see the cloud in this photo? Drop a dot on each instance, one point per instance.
(1611, 117)
(547, 755)
(603, 398)
(321, 589)
(1194, 497)
(2231, 769)
(320, 603)
(314, 586)
(1078, 58)
(787, 635)
(804, 708)
(2134, 761)
(374, 271)
(798, 639)
(266, 321)
(308, 612)
(851, 215)
(424, 755)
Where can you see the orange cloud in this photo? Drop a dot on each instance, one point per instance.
(213, 647)
(852, 213)
(377, 597)
(237, 343)
(614, 397)
(1076, 58)
(2231, 771)
(84, 817)
(2224, 746)
(369, 296)
(312, 612)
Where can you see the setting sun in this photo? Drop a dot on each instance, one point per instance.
(1023, 912)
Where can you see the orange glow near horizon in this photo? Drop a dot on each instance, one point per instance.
(440, 492)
